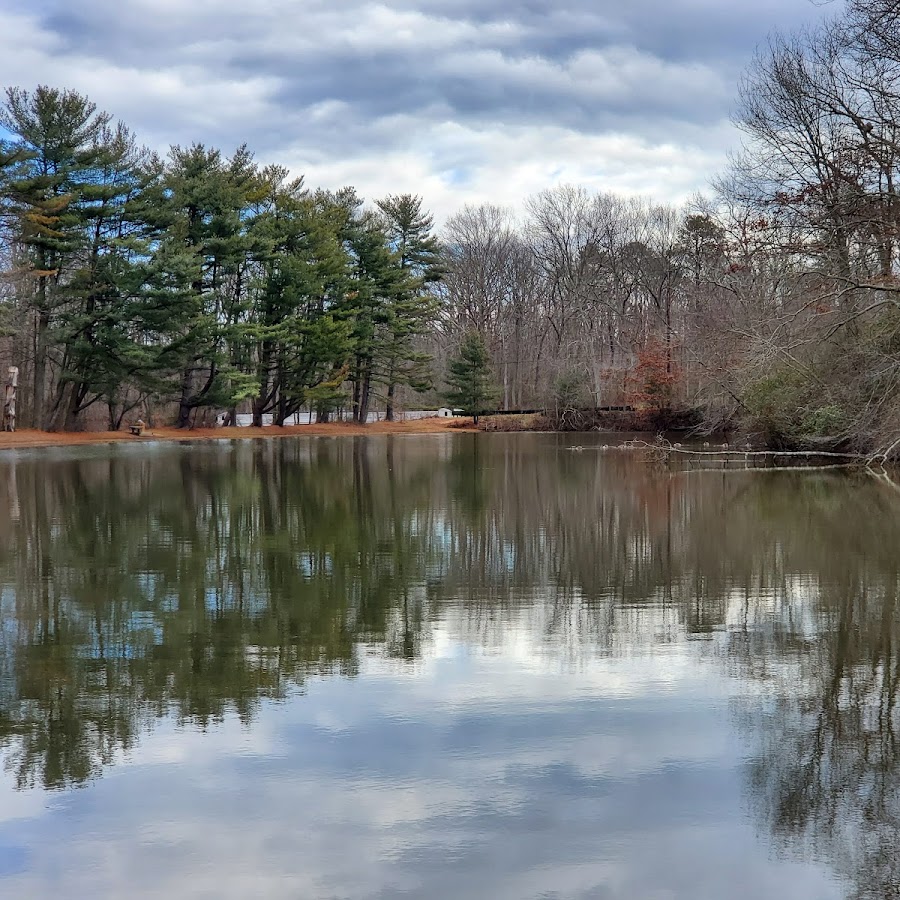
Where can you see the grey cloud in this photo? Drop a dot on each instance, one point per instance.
(706, 29)
(354, 79)
(305, 46)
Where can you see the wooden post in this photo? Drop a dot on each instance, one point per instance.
(9, 406)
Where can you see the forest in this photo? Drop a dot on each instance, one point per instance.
(200, 282)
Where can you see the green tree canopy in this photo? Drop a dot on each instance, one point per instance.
(471, 388)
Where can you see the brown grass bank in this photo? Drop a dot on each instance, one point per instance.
(32, 438)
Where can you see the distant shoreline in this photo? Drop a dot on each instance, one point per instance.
(29, 438)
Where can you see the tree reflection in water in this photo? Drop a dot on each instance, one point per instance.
(826, 777)
(191, 582)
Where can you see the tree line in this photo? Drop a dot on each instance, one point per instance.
(201, 280)
(771, 304)
(208, 282)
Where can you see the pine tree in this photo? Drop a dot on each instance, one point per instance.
(411, 310)
(206, 200)
(302, 346)
(55, 142)
(109, 333)
(471, 385)
(376, 280)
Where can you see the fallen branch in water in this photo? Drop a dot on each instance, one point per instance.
(885, 478)
(666, 447)
(882, 456)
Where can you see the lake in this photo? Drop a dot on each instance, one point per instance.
(442, 666)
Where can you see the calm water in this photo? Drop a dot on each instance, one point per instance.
(477, 666)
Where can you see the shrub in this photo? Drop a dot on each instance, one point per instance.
(652, 383)
(825, 421)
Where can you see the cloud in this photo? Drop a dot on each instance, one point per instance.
(477, 101)
(476, 774)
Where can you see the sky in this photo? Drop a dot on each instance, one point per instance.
(459, 101)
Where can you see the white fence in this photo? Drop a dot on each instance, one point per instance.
(306, 418)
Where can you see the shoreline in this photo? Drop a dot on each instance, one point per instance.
(28, 438)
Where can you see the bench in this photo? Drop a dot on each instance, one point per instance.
(137, 429)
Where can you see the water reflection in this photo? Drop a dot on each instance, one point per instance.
(827, 775)
(530, 664)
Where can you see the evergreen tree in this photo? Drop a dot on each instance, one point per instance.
(57, 148)
(207, 199)
(409, 229)
(109, 340)
(302, 345)
(410, 312)
(376, 279)
(470, 383)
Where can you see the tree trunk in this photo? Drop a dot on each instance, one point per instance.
(40, 366)
(389, 409)
(259, 404)
(357, 387)
(9, 406)
(184, 406)
(73, 407)
(364, 397)
(281, 413)
(668, 332)
(362, 389)
(264, 397)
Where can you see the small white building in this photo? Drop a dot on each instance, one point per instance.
(444, 413)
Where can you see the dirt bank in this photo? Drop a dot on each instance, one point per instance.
(31, 438)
